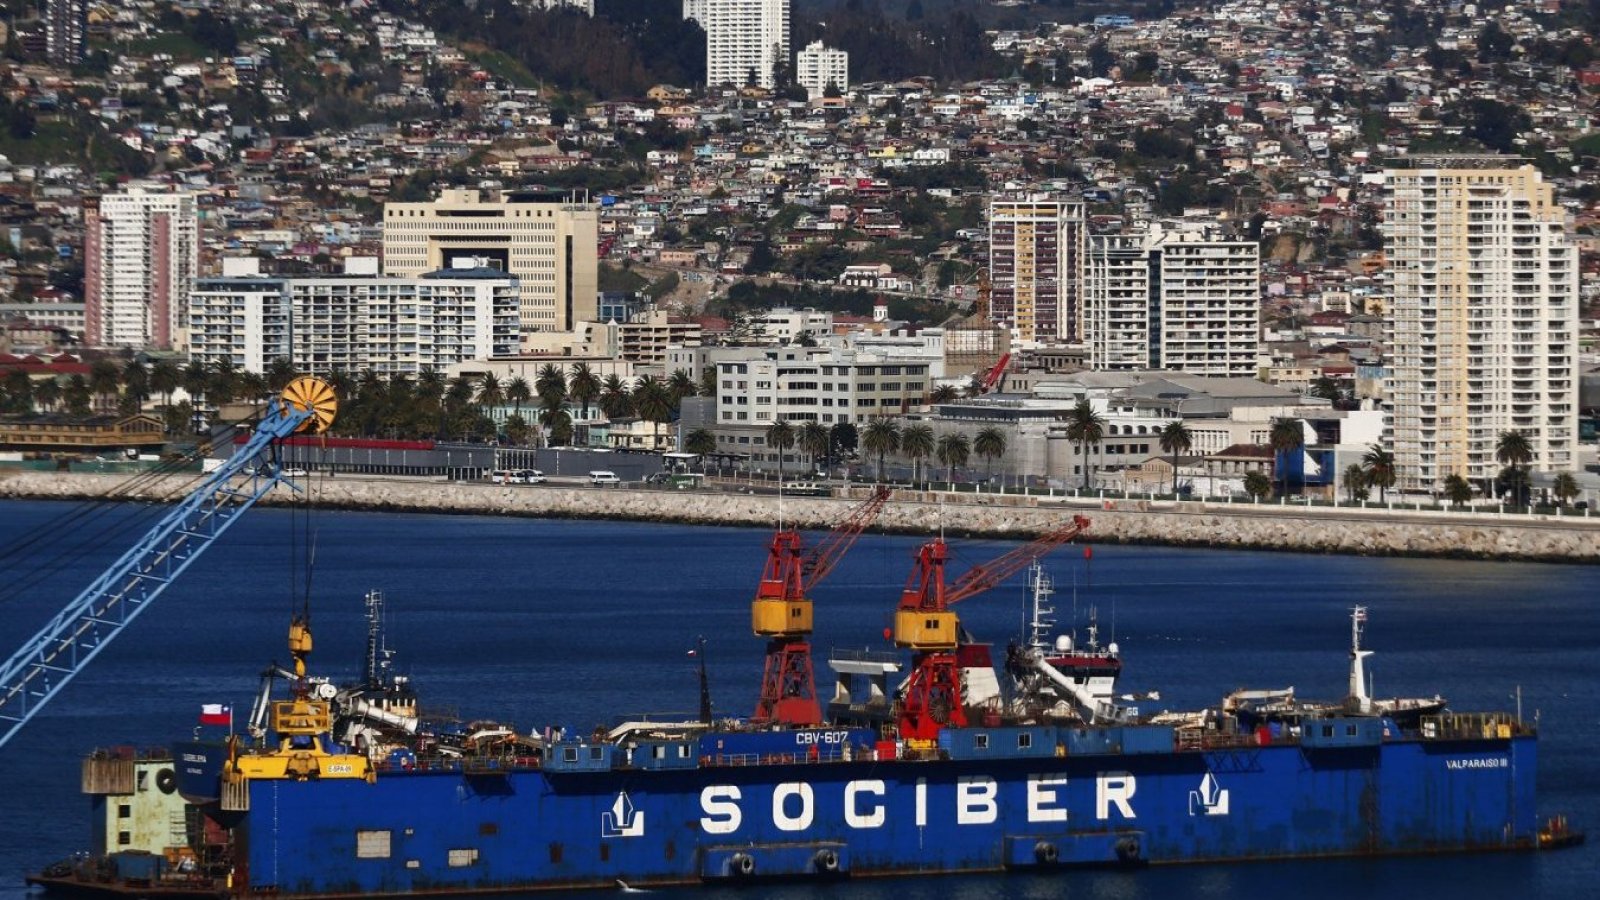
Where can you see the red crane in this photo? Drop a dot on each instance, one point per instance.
(991, 380)
(924, 623)
(782, 613)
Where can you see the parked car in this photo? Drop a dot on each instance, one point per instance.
(601, 478)
(528, 476)
(806, 489)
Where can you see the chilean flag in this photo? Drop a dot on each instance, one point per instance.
(216, 714)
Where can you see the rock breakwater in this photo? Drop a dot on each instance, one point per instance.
(1359, 532)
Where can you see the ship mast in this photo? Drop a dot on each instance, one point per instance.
(1359, 696)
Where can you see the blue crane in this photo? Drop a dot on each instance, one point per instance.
(63, 647)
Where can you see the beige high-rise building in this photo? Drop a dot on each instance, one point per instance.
(551, 245)
(141, 253)
(1035, 249)
(1484, 318)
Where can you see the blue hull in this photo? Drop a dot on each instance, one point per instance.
(657, 821)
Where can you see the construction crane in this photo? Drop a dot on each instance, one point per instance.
(782, 614)
(924, 623)
(38, 671)
(991, 379)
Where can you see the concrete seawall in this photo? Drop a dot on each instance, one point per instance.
(1360, 532)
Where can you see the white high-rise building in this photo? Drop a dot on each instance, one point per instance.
(550, 243)
(1484, 318)
(745, 39)
(1185, 301)
(817, 66)
(355, 323)
(141, 251)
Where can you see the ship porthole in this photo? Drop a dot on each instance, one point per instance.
(1046, 852)
(1128, 850)
(166, 781)
(744, 864)
(827, 861)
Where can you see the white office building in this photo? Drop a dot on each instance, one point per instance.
(801, 385)
(746, 40)
(816, 67)
(1484, 318)
(550, 243)
(1184, 301)
(355, 323)
(141, 251)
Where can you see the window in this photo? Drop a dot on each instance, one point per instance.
(372, 844)
(463, 857)
(124, 811)
(980, 741)
(124, 838)
(1025, 740)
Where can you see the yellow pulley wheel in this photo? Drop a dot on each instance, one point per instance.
(316, 395)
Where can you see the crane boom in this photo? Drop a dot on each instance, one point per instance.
(37, 671)
(820, 562)
(983, 577)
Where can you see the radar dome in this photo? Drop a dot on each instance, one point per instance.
(1112, 648)
(1063, 643)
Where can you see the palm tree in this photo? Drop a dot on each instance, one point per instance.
(654, 405)
(680, 385)
(1379, 465)
(882, 436)
(1355, 482)
(136, 383)
(1514, 451)
(279, 373)
(252, 386)
(991, 445)
(1086, 427)
(584, 388)
(517, 393)
(105, 382)
(77, 396)
(490, 394)
(842, 439)
(702, 443)
(1176, 439)
(553, 416)
(780, 436)
(224, 381)
(708, 381)
(1565, 488)
(518, 430)
(952, 451)
(550, 382)
(196, 379)
(1257, 484)
(814, 440)
(614, 399)
(164, 379)
(944, 393)
(1514, 480)
(1288, 436)
(917, 443)
(47, 393)
(1457, 490)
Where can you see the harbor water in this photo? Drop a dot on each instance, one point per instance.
(567, 623)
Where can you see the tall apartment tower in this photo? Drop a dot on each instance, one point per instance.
(551, 244)
(817, 66)
(1184, 301)
(66, 22)
(745, 39)
(141, 252)
(1484, 318)
(1035, 248)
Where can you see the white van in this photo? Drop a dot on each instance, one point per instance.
(601, 477)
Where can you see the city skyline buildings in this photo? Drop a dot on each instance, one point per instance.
(747, 41)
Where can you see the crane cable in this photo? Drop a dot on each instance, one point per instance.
(91, 510)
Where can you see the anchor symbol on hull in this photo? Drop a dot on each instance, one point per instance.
(622, 820)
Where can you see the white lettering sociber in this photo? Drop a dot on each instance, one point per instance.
(1114, 789)
(780, 811)
(1041, 796)
(853, 816)
(977, 801)
(719, 804)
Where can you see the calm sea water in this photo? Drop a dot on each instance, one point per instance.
(571, 623)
